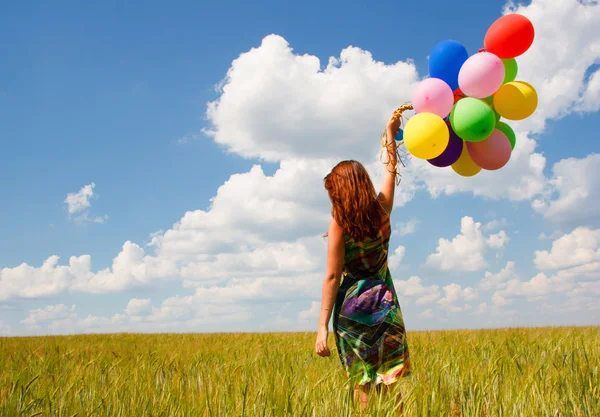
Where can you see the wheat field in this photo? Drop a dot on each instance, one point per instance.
(499, 372)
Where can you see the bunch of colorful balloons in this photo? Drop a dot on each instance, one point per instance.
(458, 109)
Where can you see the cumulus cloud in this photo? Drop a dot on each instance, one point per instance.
(78, 203)
(498, 280)
(255, 117)
(406, 228)
(453, 294)
(576, 185)
(465, 252)
(414, 288)
(427, 314)
(574, 262)
(188, 312)
(49, 314)
(498, 240)
(581, 246)
(138, 307)
(396, 258)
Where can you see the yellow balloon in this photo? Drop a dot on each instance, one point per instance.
(516, 100)
(464, 165)
(426, 135)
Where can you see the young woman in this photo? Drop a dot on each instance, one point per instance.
(358, 288)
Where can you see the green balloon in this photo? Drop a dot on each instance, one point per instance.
(507, 130)
(510, 69)
(472, 119)
(489, 100)
(497, 116)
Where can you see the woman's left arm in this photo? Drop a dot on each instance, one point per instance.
(331, 283)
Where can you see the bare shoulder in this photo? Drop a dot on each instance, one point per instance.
(334, 228)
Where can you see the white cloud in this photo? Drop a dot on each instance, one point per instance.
(498, 240)
(332, 112)
(51, 313)
(581, 246)
(138, 307)
(454, 293)
(590, 99)
(494, 224)
(79, 201)
(396, 258)
(498, 281)
(78, 204)
(427, 314)
(406, 228)
(312, 313)
(465, 252)
(577, 183)
(413, 287)
(188, 312)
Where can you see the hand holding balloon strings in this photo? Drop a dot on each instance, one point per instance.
(393, 149)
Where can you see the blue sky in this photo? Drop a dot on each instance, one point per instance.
(116, 95)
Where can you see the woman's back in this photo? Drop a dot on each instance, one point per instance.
(367, 258)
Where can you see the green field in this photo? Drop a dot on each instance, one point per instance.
(505, 372)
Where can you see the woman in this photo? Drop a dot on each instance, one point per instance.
(367, 320)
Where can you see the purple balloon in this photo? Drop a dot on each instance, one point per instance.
(452, 151)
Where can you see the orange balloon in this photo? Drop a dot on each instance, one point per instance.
(509, 36)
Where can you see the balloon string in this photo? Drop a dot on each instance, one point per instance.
(395, 171)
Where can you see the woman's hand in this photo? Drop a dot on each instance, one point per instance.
(321, 347)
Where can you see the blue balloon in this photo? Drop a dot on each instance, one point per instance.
(445, 61)
(400, 135)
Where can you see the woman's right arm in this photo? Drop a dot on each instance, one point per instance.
(388, 185)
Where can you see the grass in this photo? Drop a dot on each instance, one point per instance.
(501, 372)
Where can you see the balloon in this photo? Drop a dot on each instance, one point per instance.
(515, 100)
(400, 135)
(445, 61)
(433, 95)
(509, 36)
(510, 69)
(491, 153)
(497, 115)
(507, 130)
(426, 135)
(451, 153)
(489, 100)
(481, 75)
(458, 94)
(464, 165)
(472, 119)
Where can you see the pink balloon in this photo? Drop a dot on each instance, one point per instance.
(433, 95)
(481, 75)
(491, 153)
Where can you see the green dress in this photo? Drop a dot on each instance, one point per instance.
(367, 320)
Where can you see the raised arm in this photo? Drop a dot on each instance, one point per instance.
(388, 186)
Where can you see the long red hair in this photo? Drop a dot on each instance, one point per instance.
(354, 203)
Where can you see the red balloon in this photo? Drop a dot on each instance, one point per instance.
(458, 94)
(509, 36)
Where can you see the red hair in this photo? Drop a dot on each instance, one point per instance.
(354, 203)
